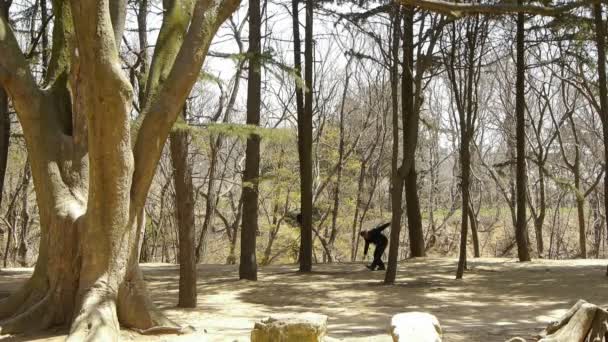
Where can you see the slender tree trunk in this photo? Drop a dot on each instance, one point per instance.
(597, 222)
(25, 217)
(474, 231)
(44, 16)
(396, 177)
(272, 234)
(434, 156)
(210, 199)
(410, 116)
(305, 134)
(414, 219)
(580, 209)
(142, 30)
(340, 166)
(540, 220)
(248, 268)
(354, 240)
(600, 40)
(521, 231)
(465, 170)
(5, 120)
(234, 228)
(184, 201)
(11, 216)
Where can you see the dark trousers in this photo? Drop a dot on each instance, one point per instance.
(378, 254)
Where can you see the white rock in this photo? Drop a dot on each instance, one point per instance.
(415, 327)
(306, 327)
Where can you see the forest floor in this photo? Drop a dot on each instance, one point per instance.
(497, 300)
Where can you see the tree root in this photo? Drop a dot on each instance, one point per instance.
(96, 319)
(159, 330)
(584, 322)
(29, 317)
(12, 303)
(99, 314)
(136, 311)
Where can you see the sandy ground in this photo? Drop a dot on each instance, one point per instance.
(497, 300)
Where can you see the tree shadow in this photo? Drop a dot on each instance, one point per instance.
(497, 300)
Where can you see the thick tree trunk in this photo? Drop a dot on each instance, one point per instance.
(91, 182)
(248, 267)
(184, 201)
(521, 230)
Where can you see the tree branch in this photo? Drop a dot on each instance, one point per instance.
(504, 7)
(164, 108)
(15, 74)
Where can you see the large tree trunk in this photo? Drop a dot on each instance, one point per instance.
(521, 230)
(91, 182)
(248, 268)
(184, 201)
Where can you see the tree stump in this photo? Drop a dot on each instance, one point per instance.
(584, 322)
(415, 327)
(306, 327)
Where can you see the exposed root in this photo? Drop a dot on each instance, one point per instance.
(159, 330)
(12, 303)
(36, 306)
(136, 311)
(96, 319)
(33, 291)
(32, 318)
(583, 322)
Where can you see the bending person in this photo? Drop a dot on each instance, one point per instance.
(376, 237)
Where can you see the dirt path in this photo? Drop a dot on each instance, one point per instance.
(498, 298)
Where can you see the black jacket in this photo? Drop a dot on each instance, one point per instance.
(376, 237)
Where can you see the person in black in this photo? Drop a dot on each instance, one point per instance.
(376, 237)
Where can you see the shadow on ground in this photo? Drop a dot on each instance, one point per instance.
(497, 300)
